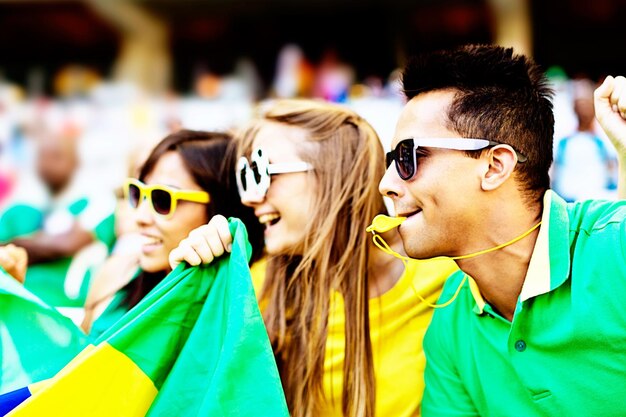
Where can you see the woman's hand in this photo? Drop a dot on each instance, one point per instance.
(203, 244)
(14, 260)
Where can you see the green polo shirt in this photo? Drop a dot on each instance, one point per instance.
(564, 353)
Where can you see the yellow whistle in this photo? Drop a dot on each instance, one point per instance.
(382, 223)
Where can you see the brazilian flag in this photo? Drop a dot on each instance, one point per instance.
(195, 346)
(36, 341)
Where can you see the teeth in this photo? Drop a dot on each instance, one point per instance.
(151, 240)
(267, 218)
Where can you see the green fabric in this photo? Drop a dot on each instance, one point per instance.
(36, 340)
(105, 231)
(78, 206)
(111, 315)
(563, 353)
(18, 221)
(47, 279)
(200, 337)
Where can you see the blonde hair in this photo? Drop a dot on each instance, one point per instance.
(348, 162)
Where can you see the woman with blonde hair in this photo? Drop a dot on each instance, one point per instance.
(344, 318)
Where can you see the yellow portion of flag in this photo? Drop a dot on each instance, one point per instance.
(101, 382)
(38, 386)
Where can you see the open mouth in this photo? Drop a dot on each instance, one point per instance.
(269, 219)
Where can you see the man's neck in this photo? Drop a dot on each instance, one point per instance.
(500, 280)
(500, 274)
(586, 128)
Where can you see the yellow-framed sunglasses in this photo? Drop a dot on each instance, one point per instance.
(163, 199)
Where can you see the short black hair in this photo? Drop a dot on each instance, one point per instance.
(500, 96)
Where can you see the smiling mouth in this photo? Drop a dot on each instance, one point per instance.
(149, 240)
(409, 213)
(269, 219)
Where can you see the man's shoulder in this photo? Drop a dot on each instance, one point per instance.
(597, 235)
(455, 279)
(449, 323)
(19, 220)
(596, 215)
(457, 295)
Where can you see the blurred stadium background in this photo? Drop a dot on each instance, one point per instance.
(117, 74)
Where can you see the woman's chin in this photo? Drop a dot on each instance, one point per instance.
(151, 265)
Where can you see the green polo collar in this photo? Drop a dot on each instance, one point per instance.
(550, 262)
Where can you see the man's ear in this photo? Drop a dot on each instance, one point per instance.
(501, 161)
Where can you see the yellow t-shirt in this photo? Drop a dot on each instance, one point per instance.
(398, 322)
(257, 272)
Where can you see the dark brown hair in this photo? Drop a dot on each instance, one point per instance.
(210, 159)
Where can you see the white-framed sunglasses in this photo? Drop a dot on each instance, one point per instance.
(405, 151)
(254, 176)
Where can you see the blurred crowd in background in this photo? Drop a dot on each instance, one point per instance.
(80, 138)
(112, 124)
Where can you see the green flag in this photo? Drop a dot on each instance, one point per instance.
(196, 345)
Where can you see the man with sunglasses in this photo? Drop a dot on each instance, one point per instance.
(538, 324)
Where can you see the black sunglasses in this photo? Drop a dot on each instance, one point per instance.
(163, 199)
(405, 152)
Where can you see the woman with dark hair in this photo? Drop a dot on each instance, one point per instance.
(186, 179)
